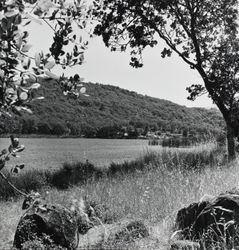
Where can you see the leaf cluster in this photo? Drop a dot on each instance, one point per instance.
(12, 150)
(18, 76)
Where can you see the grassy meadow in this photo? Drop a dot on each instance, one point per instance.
(152, 188)
(51, 153)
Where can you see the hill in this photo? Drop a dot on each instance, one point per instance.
(109, 112)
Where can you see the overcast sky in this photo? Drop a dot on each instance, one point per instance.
(161, 78)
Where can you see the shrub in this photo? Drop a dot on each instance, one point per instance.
(28, 126)
(43, 128)
(58, 129)
(176, 141)
(127, 167)
(74, 173)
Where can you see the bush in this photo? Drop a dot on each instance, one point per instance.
(28, 126)
(58, 129)
(43, 128)
(74, 173)
(128, 167)
(176, 142)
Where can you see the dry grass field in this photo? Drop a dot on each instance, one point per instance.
(153, 194)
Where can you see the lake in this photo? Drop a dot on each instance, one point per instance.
(50, 153)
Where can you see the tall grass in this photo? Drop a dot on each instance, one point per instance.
(73, 173)
(153, 195)
(29, 181)
(169, 160)
(152, 188)
(195, 158)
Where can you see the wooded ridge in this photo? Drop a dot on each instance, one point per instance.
(109, 112)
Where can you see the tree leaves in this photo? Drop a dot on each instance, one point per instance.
(83, 90)
(26, 63)
(50, 64)
(3, 152)
(17, 168)
(52, 75)
(166, 52)
(43, 6)
(35, 86)
(18, 76)
(194, 91)
(23, 96)
(37, 59)
(26, 48)
(28, 110)
(13, 148)
(72, 86)
(33, 18)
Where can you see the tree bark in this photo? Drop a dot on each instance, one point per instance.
(230, 143)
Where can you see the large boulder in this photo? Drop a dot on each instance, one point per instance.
(53, 225)
(212, 223)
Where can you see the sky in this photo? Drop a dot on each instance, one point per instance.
(162, 78)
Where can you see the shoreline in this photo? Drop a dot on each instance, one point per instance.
(63, 137)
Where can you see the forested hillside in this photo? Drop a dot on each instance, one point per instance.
(108, 112)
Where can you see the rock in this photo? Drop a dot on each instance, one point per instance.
(184, 245)
(211, 222)
(187, 216)
(127, 231)
(52, 224)
(131, 231)
(114, 236)
(95, 237)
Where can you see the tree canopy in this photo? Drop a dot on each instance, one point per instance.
(19, 71)
(203, 33)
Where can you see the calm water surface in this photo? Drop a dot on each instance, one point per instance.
(51, 153)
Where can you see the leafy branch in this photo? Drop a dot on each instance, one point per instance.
(17, 73)
(5, 155)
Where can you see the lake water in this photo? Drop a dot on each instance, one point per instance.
(51, 153)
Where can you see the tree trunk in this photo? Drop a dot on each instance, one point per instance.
(230, 143)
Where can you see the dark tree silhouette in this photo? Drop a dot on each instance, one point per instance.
(203, 33)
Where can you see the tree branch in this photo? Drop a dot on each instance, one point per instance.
(18, 50)
(11, 185)
(171, 45)
(48, 24)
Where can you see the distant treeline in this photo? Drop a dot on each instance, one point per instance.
(109, 112)
(30, 126)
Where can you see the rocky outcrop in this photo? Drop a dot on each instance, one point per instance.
(214, 222)
(52, 225)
